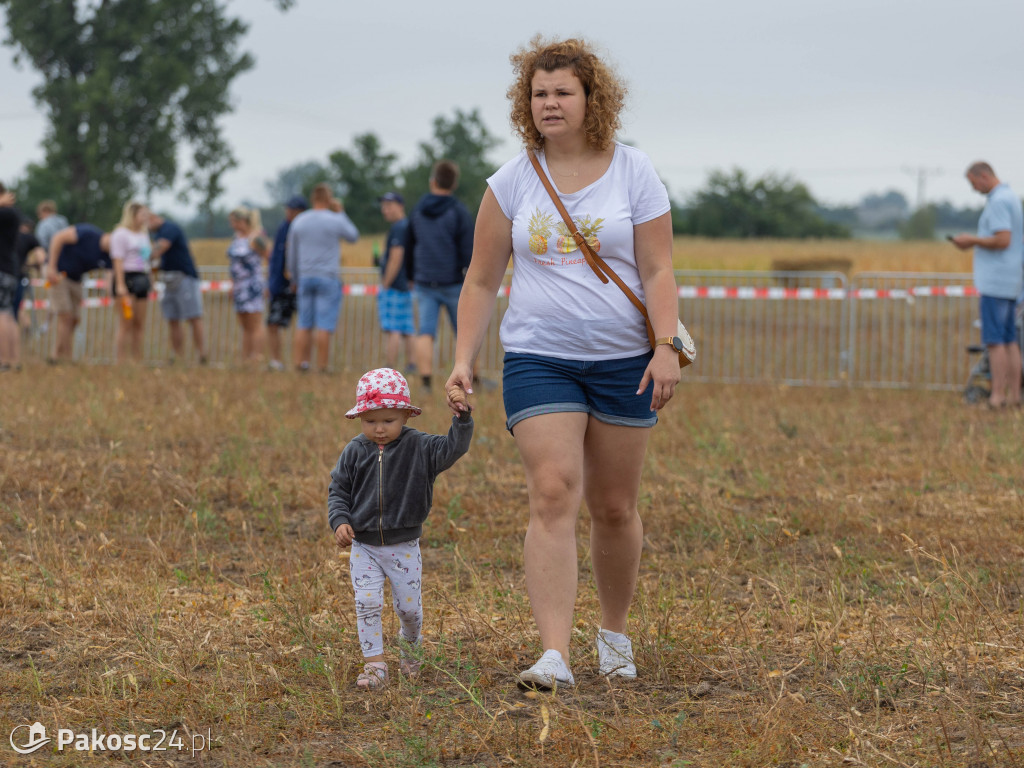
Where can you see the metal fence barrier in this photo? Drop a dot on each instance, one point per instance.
(911, 330)
(765, 326)
(800, 328)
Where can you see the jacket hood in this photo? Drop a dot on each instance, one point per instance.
(435, 205)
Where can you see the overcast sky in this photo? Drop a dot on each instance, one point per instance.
(850, 98)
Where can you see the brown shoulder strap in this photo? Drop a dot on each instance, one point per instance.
(599, 265)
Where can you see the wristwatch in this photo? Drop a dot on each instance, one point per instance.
(673, 341)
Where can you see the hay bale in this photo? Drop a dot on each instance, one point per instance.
(787, 270)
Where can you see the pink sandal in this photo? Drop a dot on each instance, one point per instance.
(373, 676)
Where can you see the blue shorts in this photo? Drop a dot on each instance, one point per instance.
(998, 324)
(394, 308)
(319, 303)
(430, 299)
(606, 389)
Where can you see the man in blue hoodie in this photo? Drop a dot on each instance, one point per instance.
(438, 246)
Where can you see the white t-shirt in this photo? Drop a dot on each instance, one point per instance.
(134, 247)
(557, 305)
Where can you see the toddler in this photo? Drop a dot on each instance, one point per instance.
(380, 494)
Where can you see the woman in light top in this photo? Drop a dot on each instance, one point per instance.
(130, 249)
(247, 255)
(582, 386)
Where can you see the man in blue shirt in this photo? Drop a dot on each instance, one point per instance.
(182, 299)
(282, 298)
(999, 278)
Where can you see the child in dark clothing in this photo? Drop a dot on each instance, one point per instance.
(380, 493)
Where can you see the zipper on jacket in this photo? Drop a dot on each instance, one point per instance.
(380, 492)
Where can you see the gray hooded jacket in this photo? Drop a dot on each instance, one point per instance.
(385, 492)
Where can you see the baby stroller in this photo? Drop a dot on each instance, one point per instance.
(979, 380)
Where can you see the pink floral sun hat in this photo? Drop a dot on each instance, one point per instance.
(382, 388)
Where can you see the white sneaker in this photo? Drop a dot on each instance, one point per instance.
(615, 655)
(275, 365)
(550, 672)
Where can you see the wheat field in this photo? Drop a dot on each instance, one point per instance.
(755, 255)
(830, 577)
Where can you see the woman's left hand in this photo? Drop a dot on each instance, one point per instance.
(459, 384)
(663, 370)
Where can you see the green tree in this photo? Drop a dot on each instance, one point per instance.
(296, 179)
(360, 177)
(920, 225)
(731, 205)
(125, 83)
(465, 139)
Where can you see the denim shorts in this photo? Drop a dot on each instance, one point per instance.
(998, 324)
(319, 303)
(606, 389)
(430, 299)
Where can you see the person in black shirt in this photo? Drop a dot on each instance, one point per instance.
(10, 273)
(30, 255)
(74, 251)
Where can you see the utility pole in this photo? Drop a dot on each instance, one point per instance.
(922, 175)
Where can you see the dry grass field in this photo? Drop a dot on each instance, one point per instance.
(830, 577)
(758, 255)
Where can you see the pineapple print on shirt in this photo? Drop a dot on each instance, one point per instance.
(540, 225)
(539, 229)
(589, 231)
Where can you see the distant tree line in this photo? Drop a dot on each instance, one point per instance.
(729, 205)
(890, 214)
(733, 205)
(366, 170)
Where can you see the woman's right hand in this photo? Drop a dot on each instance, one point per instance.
(52, 275)
(460, 379)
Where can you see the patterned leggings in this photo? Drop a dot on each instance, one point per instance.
(400, 564)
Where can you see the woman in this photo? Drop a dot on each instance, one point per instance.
(581, 384)
(248, 254)
(130, 249)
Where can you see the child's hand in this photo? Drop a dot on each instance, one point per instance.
(344, 535)
(458, 400)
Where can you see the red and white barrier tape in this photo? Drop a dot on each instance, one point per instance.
(741, 293)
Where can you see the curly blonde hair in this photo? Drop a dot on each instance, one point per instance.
(605, 91)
